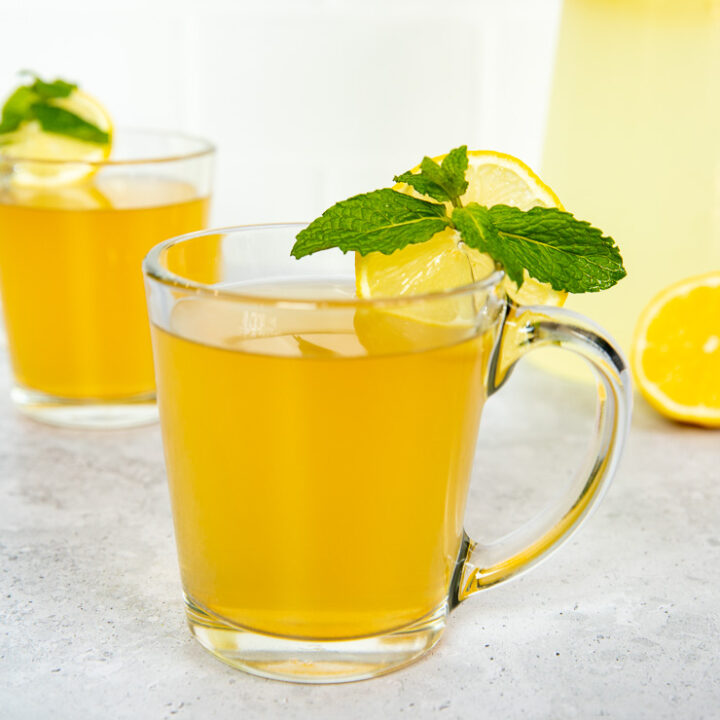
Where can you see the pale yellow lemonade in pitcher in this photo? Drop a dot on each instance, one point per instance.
(632, 141)
(262, 556)
(72, 286)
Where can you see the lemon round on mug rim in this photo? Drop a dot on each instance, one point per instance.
(444, 261)
(59, 159)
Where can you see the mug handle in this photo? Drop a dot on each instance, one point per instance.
(525, 329)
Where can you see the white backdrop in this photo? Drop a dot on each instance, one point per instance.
(309, 101)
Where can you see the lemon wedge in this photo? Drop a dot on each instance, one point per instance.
(444, 262)
(676, 351)
(61, 159)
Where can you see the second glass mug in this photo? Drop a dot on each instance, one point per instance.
(72, 237)
(319, 449)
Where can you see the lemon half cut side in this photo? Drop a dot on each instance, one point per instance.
(676, 351)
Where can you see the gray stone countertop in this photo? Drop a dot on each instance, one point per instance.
(622, 622)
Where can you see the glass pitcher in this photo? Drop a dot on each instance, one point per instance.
(633, 141)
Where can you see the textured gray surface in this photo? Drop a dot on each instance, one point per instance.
(623, 622)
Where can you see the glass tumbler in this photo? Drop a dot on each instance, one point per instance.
(72, 239)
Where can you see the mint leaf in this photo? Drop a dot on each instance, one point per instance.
(380, 221)
(445, 182)
(58, 120)
(423, 185)
(477, 230)
(17, 108)
(433, 172)
(45, 90)
(454, 166)
(56, 89)
(550, 244)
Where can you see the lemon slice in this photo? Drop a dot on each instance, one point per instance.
(444, 262)
(66, 158)
(74, 196)
(441, 263)
(676, 351)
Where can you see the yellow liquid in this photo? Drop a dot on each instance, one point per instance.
(317, 490)
(633, 143)
(72, 286)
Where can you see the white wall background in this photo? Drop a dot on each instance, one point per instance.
(308, 101)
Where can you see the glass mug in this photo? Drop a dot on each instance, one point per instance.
(319, 449)
(72, 236)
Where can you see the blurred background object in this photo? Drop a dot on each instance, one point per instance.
(633, 142)
(307, 100)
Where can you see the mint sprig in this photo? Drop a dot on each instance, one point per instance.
(550, 244)
(445, 182)
(37, 101)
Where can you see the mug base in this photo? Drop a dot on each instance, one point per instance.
(87, 414)
(314, 661)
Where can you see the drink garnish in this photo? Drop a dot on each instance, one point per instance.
(50, 105)
(56, 121)
(546, 244)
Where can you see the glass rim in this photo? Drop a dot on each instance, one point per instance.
(153, 269)
(203, 148)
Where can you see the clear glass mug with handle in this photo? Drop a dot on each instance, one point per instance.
(319, 449)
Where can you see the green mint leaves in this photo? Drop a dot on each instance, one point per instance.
(37, 101)
(445, 182)
(63, 122)
(56, 89)
(380, 221)
(550, 244)
(17, 108)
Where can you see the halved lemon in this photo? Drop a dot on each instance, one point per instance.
(676, 351)
(444, 261)
(66, 158)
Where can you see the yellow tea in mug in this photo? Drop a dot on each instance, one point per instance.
(71, 278)
(324, 494)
